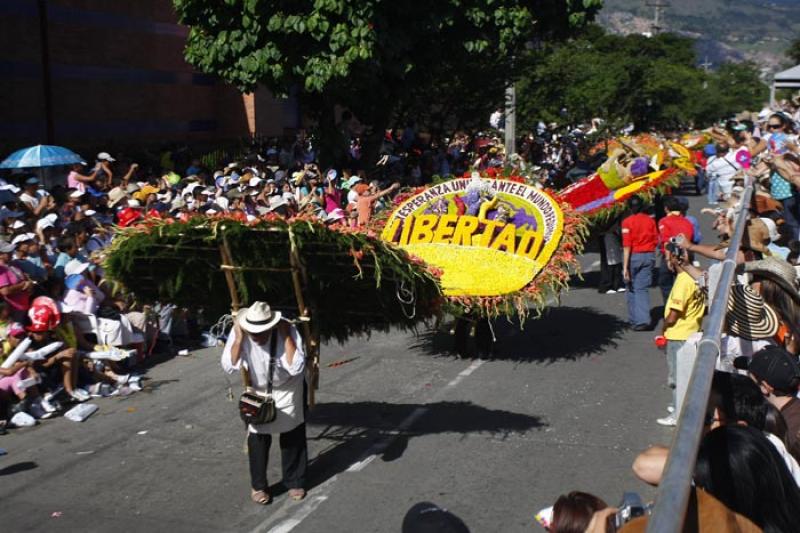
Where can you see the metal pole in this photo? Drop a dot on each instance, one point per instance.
(673, 493)
(511, 121)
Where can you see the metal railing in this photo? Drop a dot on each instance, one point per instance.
(673, 493)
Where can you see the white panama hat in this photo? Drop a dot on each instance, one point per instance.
(258, 318)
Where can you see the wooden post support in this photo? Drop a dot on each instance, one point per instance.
(310, 335)
(227, 260)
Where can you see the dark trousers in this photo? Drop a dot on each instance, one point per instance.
(294, 458)
(666, 278)
(610, 277)
(791, 215)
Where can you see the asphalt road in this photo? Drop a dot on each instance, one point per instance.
(565, 404)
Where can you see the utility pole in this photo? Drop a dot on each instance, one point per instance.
(657, 27)
(706, 66)
(511, 121)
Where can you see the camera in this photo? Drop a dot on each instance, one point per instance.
(630, 507)
(673, 248)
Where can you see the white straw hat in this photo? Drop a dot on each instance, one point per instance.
(258, 318)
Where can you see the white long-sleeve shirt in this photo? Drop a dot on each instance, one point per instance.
(287, 380)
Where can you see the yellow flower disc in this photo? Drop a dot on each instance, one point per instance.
(474, 270)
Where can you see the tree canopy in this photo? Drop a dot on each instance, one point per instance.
(377, 58)
(650, 81)
(793, 52)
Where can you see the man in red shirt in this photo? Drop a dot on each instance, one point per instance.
(669, 227)
(639, 241)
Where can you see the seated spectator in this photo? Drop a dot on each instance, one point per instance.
(777, 373)
(739, 466)
(44, 318)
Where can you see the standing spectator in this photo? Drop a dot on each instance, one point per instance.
(721, 168)
(712, 185)
(670, 226)
(611, 260)
(683, 316)
(639, 241)
(366, 201)
(78, 181)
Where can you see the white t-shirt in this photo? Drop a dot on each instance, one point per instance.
(723, 169)
(32, 201)
(287, 380)
(791, 463)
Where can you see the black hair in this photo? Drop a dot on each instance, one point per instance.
(742, 469)
(739, 399)
(76, 227)
(672, 203)
(794, 252)
(776, 424)
(636, 204)
(785, 122)
(66, 242)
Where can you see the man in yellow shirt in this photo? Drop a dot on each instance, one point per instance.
(683, 315)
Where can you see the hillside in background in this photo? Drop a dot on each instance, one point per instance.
(726, 30)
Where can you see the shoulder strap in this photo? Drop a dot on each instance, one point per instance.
(273, 344)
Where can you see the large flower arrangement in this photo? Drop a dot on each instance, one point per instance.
(542, 289)
(354, 282)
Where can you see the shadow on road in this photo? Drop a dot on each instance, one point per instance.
(587, 280)
(18, 467)
(358, 429)
(561, 333)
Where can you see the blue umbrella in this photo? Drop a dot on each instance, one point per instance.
(41, 155)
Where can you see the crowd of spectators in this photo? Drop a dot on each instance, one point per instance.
(747, 476)
(56, 225)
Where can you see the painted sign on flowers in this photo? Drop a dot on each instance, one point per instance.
(490, 237)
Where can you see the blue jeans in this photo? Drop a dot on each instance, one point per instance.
(700, 181)
(713, 190)
(641, 273)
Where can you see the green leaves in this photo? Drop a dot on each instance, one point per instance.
(381, 59)
(647, 81)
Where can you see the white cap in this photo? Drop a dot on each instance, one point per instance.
(44, 223)
(254, 182)
(134, 203)
(75, 266)
(76, 193)
(772, 228)
(90, 212)
(18, 224)
(105, 156)
(23, 237)
(222, 201)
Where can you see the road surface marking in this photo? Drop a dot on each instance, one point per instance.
(322, 492)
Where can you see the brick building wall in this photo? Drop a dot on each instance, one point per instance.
(117, 78)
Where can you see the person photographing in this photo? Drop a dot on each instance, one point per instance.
(263, 341)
